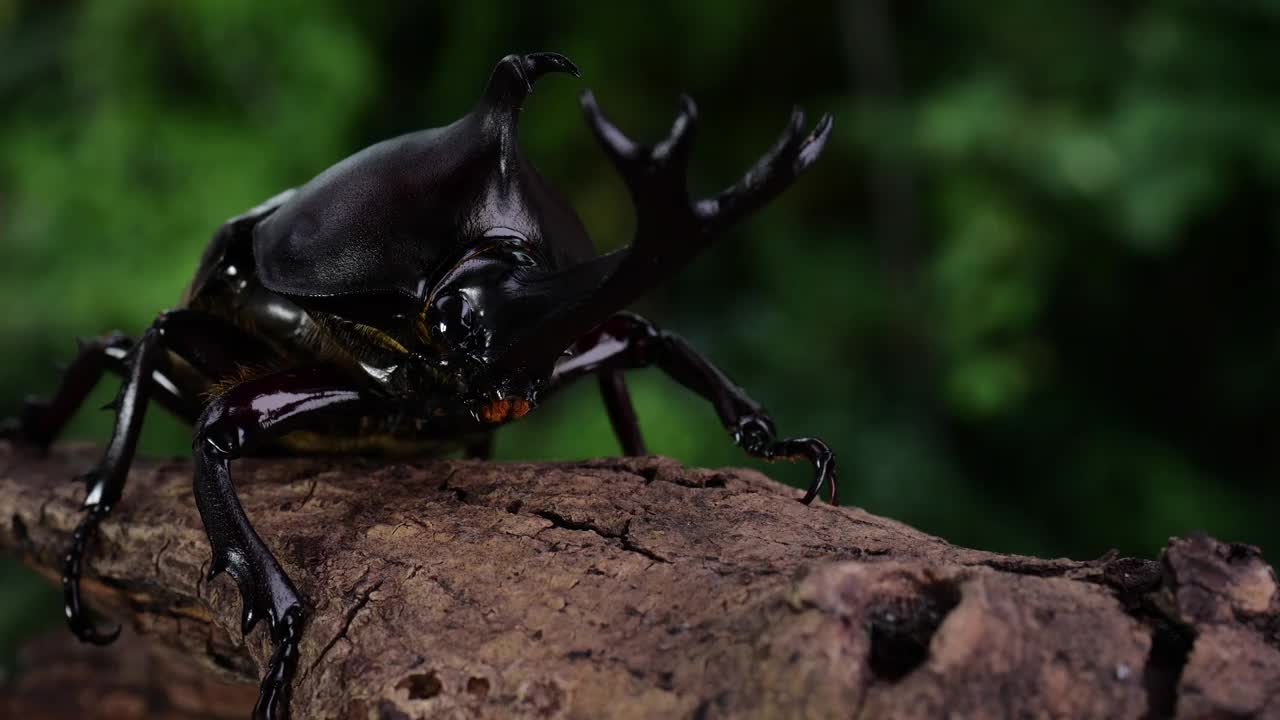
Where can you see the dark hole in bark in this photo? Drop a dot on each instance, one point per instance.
(478, 686)
(421, 686)
(1170, 648)
(902, 628)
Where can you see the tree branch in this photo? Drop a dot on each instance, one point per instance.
(635, 588)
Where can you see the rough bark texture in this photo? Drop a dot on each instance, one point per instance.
(129, 680)
(638, 588)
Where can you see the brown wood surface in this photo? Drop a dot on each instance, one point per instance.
(638, 588)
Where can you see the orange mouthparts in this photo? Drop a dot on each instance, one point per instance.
(504, 409)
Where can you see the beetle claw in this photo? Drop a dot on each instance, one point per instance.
(824, 462)
(73, 607)
(755, 434)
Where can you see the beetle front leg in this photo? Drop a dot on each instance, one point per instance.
(265, 589)
(479, 448)
(627, 340)
(234, 423)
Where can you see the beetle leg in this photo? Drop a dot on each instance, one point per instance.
(235, 422)
(479, 448)
(622, 413)
(41, 421)
(147, 372)
(629, 341)
(105, 482)
(211, 345)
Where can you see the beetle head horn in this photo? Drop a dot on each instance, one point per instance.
(671, 228)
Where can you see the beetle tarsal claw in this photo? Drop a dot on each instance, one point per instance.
(73, 607)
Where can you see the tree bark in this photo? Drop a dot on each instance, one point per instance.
(638, 588)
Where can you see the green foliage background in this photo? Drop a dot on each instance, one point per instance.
(1029, 294)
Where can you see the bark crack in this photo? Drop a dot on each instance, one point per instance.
(350, 618)
(624, 538)
(311, 491)
(155, 563)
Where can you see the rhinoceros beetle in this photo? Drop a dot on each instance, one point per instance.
(412, 298)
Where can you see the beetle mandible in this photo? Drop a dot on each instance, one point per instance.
(412, 298)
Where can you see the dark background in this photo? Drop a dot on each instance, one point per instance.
(1029, 294)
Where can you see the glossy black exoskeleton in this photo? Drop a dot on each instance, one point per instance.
(412, 298)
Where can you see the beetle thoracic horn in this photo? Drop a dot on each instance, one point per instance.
(511, 82)
(513, 78)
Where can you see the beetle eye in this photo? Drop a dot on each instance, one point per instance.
(452, 319)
